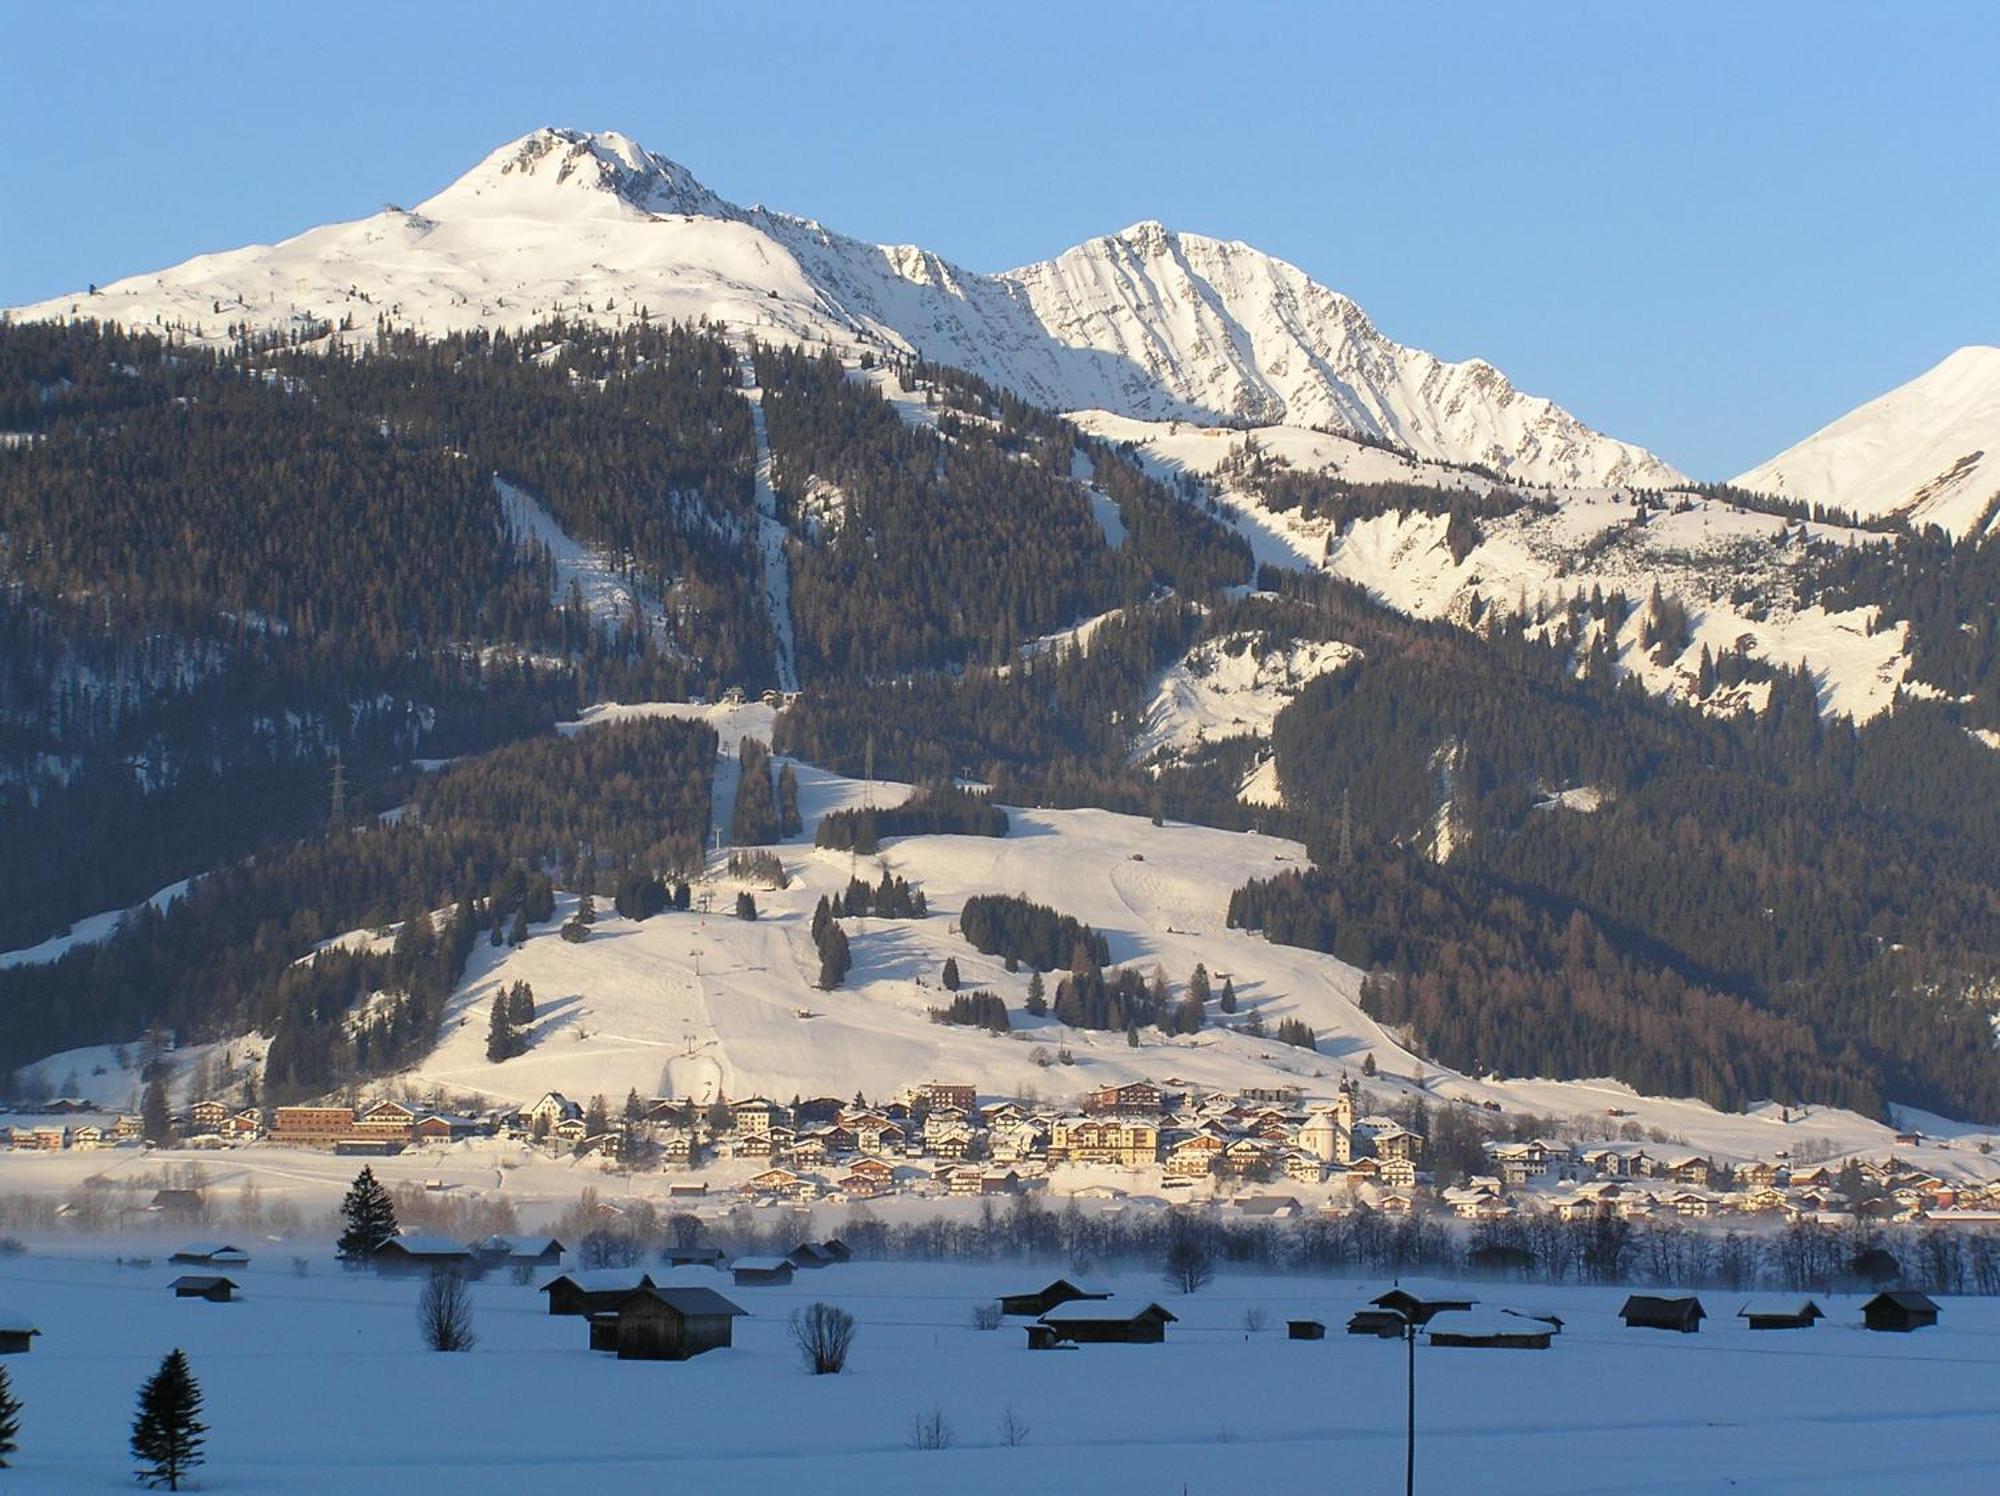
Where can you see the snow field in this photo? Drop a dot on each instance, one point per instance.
(318, 1384)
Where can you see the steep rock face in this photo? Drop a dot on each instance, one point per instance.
(1147, 323)
(1928, 451)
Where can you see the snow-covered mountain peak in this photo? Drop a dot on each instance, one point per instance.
(1928, 451)
(564, 173)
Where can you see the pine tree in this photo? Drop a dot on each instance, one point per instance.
(10, 1419)
(1038, 1001)
(586, 910)
(951, 973)
(369, 1216)
(153, 1118)
(167, 1438)
(1198, 983)
(597, 1117)
(518, 935)
(499, 1033)
(521, 1005)
(1227, 1002)
(746, 904)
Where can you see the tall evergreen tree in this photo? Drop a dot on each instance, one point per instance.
(167, 1436)
(153, 1118)
(368, 1215)
(500, 1038)
(10, 1419)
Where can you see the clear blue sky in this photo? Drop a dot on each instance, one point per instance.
(1707, 228)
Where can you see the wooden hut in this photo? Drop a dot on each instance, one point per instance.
(518, 1252)
(1474, 1329)
(1385, 1324)
(664, 1324)
(1899, 1309)
(1645, 1311)
(211, 1286)
(1089, 1323)
(210, 1254)
(592, 1292)
(1305, 1329)
(1402, 1301)
(691, 1256)
(1781, 1314)
(17, 1333)
(418, 1252)
(1042, 1300)
(761, 1272)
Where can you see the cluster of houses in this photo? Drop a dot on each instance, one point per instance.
(938, 1139)
(1629, 1181)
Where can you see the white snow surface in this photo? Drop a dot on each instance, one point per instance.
(1146, 322)
(317, 1384)
(92, 929)
(1928, 451)
(1229, 687)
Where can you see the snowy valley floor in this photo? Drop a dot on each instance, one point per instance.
(317, 1384)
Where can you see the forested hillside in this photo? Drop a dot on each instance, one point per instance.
(223, 567)
(485, 840)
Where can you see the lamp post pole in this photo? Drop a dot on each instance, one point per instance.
(1410, 1425)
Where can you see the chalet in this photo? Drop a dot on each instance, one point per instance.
(214, 1288)
(442, 1127)
(1138, 1099)
(754, 1117)
(759, 1272)
(1042, 1300)
(1899, 1309)
(1390, 1139)
(1401, 1302)
(1786, 1314)
(554, 1107)
(1088, 1322)
(935, 1094)
(210, 1254)
(863, 1186)
(678, 1149)
(17, 1333)
(775, 1182)
(664, 1324)
(953, 1140)
(836, 1249)
(1649, 1312)
(206, 1116)
(419, 1252)
(1689, 1169)
(389, 1121)
(587, 1293)
(1195, 1157)
(1000, 1182)
(1267, 1207)
(810, 1254)
(244, 1126)
(1086, 1140)
(692, 1256)
(1245, 1157)
(1469, 1328)
(1305, 1329)
(880, 1135)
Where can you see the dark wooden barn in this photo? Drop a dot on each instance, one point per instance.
(403, 1256)
(1042, 1300)
(1385, 1324)
(1899, 1309)
(1645, 1311)
(1786, 1314)
(592, 1292)
(1305, 1329)
(760, 1272)
(17, 1334)
(210, 1254)
(1089, 1323)
(1402, 1301)
(691, 1256)
(213, 1287)
(1472, 1329)
(664, 1324)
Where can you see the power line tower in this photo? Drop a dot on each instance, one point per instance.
(338, 813)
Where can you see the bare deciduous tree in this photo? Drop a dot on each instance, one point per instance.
(444, 1313)
(930, 1429)
(823, 1335)
(986, 1316)
(1012, 1428)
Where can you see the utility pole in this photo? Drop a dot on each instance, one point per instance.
(1410, 1436)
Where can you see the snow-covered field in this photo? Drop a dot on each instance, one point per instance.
(318, 1384)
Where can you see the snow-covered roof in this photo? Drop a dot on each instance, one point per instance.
(760, 1264)
(14, 1322)
(1479, 1322)
(424, 1244)
(602, 1279)
(1096, 1311)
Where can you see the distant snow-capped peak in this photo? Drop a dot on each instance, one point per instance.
(568, 173)
(1147, 323)
(1928, 451)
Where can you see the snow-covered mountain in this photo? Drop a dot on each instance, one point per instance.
(1147, 323)
(1928, 450)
